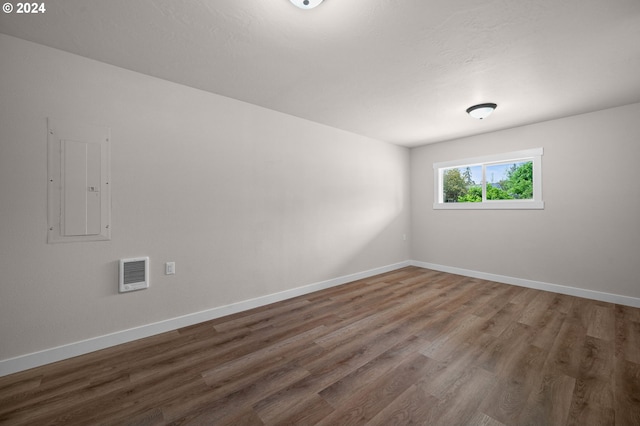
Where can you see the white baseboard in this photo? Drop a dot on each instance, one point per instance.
(538, 285)
(47, 356)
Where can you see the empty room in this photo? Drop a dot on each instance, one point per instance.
(380, 212)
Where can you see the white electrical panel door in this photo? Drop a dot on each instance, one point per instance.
(79, 190)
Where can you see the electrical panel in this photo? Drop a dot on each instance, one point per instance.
(79, 190)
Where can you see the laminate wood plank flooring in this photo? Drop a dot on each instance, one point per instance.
(412, 346)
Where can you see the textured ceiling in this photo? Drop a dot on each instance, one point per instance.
(401, 71)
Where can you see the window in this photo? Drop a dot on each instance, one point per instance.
(504, 181)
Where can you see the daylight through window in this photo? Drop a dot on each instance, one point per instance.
(504, 181)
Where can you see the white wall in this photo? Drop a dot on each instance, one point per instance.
(248, 202)
(588, 235)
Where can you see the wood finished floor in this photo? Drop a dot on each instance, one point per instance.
(413, 346)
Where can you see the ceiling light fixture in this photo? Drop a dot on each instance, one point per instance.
(306, 4)
(481, 111)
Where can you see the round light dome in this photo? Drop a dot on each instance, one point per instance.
(481, 111)
(306, 4)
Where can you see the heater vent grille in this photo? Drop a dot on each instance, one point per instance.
(134, 274)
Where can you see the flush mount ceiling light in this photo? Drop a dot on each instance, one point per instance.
(481, 111)
(306, 4)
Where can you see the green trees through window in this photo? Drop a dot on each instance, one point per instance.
(508, 180)
(502, 181)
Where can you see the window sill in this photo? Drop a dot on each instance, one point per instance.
(492, 205)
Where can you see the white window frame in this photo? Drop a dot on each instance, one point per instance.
(534, 155)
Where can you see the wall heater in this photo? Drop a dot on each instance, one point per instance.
(134, 274)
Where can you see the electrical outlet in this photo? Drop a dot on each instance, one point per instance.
(170, 268)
